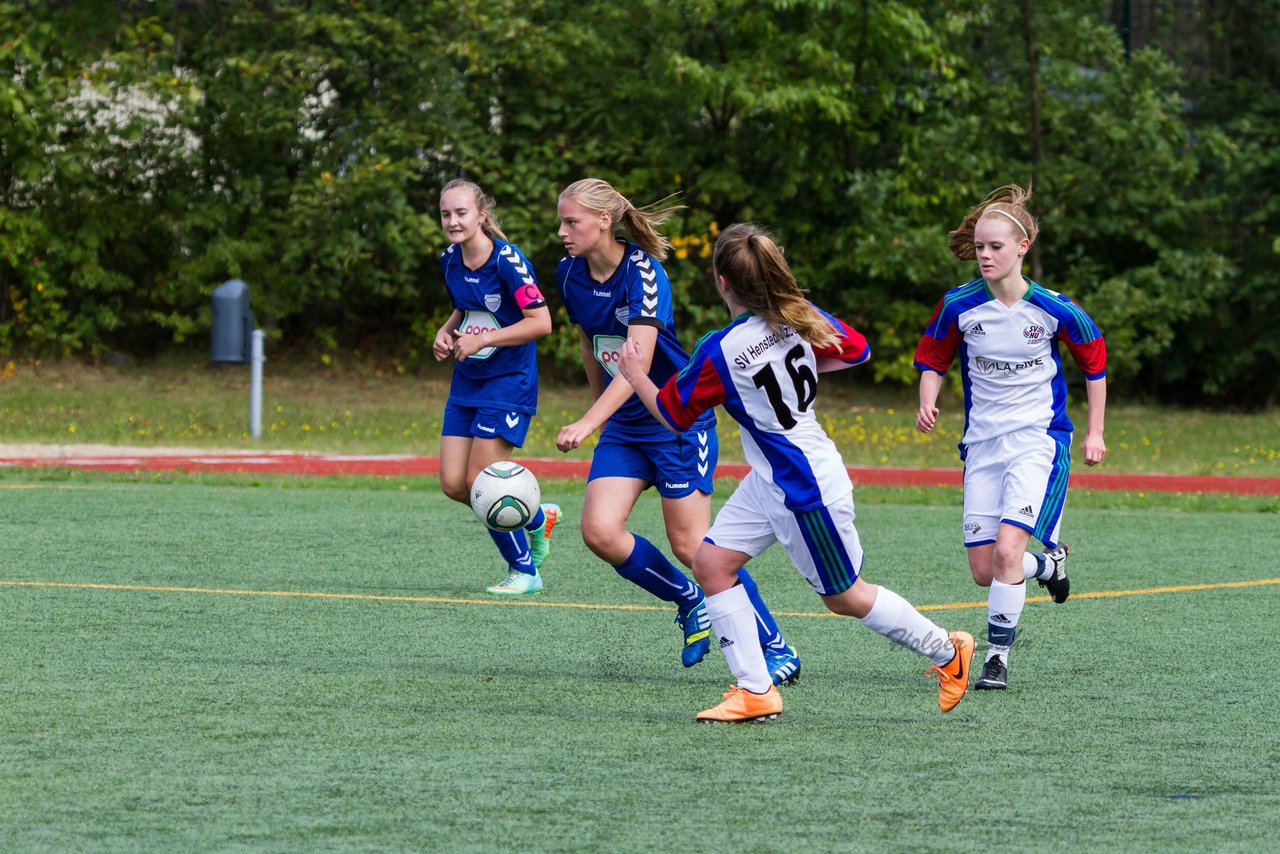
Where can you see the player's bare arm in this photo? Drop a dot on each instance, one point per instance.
(442, 347)
(927, 415)
(1095, 447)
(634, 368)
(616, 393)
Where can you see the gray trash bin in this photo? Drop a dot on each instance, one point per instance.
(232, 322)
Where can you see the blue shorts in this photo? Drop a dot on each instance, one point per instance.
(677, 465)
(485, 423)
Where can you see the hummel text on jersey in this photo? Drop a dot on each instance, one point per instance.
(753, 352)
(605, 294)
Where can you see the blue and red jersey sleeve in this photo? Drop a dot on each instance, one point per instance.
(941, 340)
(852, 348)
(691, 392)
(1083, 339)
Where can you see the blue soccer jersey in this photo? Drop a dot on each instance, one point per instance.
(494, 297)
(637, 292)
(767, 380)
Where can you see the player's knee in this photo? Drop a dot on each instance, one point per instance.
(457, 490)
(605, 541)
(685, 552)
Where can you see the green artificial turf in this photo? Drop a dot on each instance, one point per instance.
(215, 665)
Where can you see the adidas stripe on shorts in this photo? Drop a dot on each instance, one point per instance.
(822, 543)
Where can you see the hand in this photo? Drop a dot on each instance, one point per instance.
(1095, 449)
(926, 418)
(573, 435)
(631, 361)
(442, 347)
(468, 345)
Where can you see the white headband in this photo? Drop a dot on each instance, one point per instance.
(1013, 218)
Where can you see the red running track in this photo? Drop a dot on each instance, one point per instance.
(404, 465)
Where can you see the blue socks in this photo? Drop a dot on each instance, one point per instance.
(647, 567)
(514, 548)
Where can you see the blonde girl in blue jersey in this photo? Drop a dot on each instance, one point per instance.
(763, 370)
(616, 290)
(1016, 446)
(498, 314)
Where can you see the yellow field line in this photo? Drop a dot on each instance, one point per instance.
(1107, 594)
(539, 603)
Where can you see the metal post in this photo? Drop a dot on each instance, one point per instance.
(256, 358)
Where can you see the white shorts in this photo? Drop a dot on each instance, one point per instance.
(1020, 479)
(823, 543)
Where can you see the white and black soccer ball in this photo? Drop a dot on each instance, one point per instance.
(505, 496)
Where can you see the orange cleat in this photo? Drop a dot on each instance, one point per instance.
(742, 706)
(953, 677)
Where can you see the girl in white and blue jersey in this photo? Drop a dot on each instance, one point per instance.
(763, 369)
(498, 314)
(1005, 330)
(616, 291)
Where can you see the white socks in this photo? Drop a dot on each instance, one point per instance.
(1033, 565)
(893, 617)
(1004, 608)
(734, 620)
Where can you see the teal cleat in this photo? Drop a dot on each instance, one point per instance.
(517, 584)
(540, 540)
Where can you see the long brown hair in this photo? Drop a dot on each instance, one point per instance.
(757, 272)
(640, 223)
(484, 204)
(1009, 203)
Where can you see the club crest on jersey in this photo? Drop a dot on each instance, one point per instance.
(624, 315)
(1033, 332)
(492, 301)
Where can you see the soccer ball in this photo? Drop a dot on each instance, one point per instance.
(505, 496)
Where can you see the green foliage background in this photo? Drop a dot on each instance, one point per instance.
(150, 151)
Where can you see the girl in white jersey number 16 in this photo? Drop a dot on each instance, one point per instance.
(763, 369)
(1017, 440)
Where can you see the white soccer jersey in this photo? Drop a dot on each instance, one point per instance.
(767, 382)
(1010, 365)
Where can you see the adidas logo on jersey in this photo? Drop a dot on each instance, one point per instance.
(1027, 511)
(976, 329)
